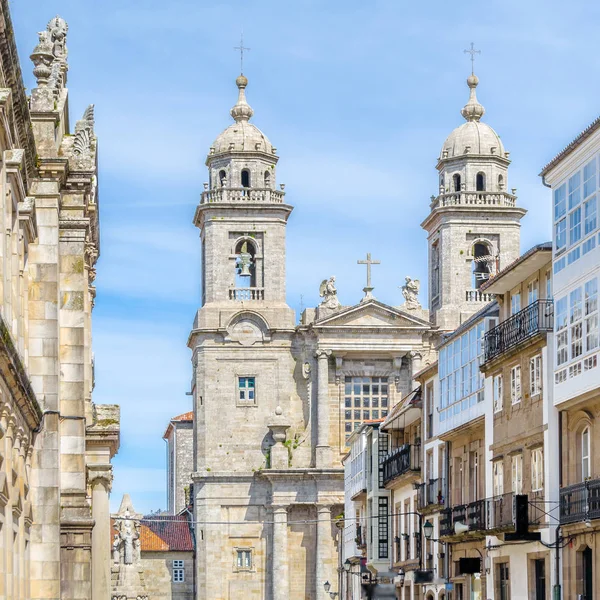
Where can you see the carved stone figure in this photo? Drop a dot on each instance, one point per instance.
(116, 552)
(328, 292)
(410, 291)
(245, 261)
(128, 535)
(58, 29)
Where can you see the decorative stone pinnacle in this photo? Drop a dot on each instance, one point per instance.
(242, 111)
(472, 111)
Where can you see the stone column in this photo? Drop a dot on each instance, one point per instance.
(280, 579)
(100, 480)
(323, 450)
(324, 541)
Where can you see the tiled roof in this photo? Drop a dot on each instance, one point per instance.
(164, 533)
(188, 416)
(571, 147)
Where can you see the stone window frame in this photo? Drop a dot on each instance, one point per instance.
(498, 391)
(498, 476)
(245, 403)
(531, 558)
(537, 479)
(237, 553)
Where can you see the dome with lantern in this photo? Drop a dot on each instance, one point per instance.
(472, 137)
(242, 136)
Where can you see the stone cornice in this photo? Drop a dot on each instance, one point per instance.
(13, 372)
(100, 474)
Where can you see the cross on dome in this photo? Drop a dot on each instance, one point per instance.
(472, 111)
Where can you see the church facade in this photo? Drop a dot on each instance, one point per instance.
(275, 402)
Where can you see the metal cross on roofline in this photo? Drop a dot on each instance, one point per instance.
(472, 52)
(241, 48)
(369, 288)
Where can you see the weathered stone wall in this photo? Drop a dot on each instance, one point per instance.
(157, 568)
(184, 463)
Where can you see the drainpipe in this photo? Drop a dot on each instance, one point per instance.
(556, 592)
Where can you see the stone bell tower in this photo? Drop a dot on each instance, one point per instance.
(474, 223)
(242, 217)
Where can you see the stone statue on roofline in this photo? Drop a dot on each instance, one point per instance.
(410, 291)
(328, 292)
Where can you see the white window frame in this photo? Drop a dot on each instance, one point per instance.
(498, 470)
(515, 384)
(537, 469)
(248, 392)
(586, 467)
(517, 473)
(498, 400)
(532, 291)
(535, 375)
(178, 571)
(515, 303)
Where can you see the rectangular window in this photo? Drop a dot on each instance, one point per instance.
(515, 303)
(383, 528)
(562, 334)
(246, 390)
(537, 469)
(498, 393)
(244, 559)
(540, 578)
(589, 178)
(560, 235)
(560, 203)
(178, 571)
(461, 382)
(503, 580)
(535, 375)
(585, 454)
(515, 384)
(498, 478)
(576, 324)
(532, 291)
(575, 226)
(591, 315)
(589, 216)
(429, 407)
(548, 284)
(365, 398)
(517, 473)
(574, 190)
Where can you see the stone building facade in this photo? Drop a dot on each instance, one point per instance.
(268, 479)
(179, 437)
(56, 444)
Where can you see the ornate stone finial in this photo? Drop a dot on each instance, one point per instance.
(410, 291)
(328, 292)
(88, 116)
(279, 411)
(472, 110)
(42, 58)
(242, 110)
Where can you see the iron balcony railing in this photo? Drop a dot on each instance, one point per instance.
(402, 460)
(430, 493)
(580, 502)
(533, 319)
(488, 514)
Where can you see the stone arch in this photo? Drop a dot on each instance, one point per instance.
(248, 327)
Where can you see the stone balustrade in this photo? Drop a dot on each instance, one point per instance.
(252, 293)
(242, 195)
(474, 198)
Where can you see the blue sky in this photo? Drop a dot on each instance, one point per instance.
(358, 98)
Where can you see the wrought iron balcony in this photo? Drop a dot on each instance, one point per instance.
(533, 319)
(500, 511)
(580, 502)
(431, 494)
(242, 196)
(405, 459)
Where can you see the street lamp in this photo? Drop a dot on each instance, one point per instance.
(347, 565)
(327, 587)
(401, 576)
(428, 530)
